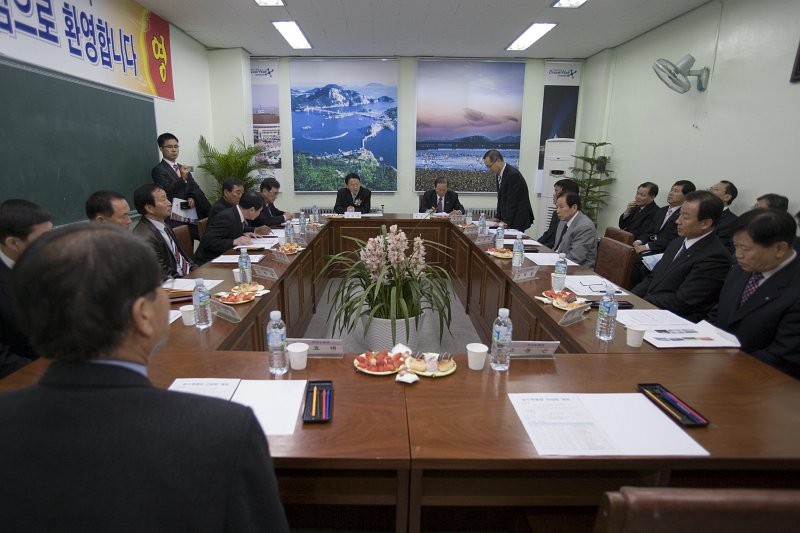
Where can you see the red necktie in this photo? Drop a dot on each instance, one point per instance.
(177, 169)
(751, 287)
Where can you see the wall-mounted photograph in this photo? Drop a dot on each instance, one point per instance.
(266, 117)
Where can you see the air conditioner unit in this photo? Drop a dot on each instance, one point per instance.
(559, 156)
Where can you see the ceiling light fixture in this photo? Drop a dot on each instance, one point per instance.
(269, 2)
(534, 32)
(292, 33)
(569, 4)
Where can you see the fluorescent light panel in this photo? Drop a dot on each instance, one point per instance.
(536, 31)
(570, 4)
(269, 2)
(292, 33)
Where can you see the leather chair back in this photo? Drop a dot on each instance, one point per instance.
(620, 235)
(184, 239)
(615, 261)
(202, 224)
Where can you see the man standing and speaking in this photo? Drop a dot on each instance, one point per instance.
(513, 202)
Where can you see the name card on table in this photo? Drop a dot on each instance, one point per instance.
(420, 216)
(534, 349)
(322, 347)
(352, 214)
(484, 239)
(225, 312)
(524, 274)
(458, 219)
(264, 272)
(281, 257)
(300, 241)
(574, 315)
(470, 230)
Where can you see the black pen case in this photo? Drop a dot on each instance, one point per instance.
(321, 410)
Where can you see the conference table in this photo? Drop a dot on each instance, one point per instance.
(456, 442)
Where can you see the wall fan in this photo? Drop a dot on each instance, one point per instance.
(676, 75)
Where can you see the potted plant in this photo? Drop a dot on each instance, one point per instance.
(593, 177)
(382, 285)
(237, 162)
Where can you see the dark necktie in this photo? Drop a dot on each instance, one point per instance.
(440, 208)
(680, 251)
(751, 287)
(182, 266)
(560, 236)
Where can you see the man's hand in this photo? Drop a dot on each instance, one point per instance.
(455, 213)
(263, 230)
(243, 240)
(191, 202)
(185, 170)
(287, 216)
(351, 208)
(640, 248)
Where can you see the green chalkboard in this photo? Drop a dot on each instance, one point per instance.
(62, 139)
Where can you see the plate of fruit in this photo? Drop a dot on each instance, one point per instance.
(380, 363)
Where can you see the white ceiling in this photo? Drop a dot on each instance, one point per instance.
(442, 28)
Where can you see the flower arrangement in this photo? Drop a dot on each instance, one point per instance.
(380, 280)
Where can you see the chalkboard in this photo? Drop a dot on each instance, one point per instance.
(62, 138)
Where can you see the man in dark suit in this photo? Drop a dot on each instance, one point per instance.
(178, 182)
(152, 203)
(576, 235)
(232, 190)
(687, 280)
(108, 206)
(271, 215)
(760, 300)
(229, 228)
(513, 202)
(548, 238)
(110, 452)
(639, 213)
(21, 223)
(775, 201)
(727, 192)
(353, 197)
(441, 199)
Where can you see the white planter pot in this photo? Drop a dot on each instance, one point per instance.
(379, 336)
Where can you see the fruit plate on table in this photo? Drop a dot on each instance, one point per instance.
(247, 287)
(236, 298)
(424, 366)
(564, 299)
(380, 363)
(290, 248)
(500, 253)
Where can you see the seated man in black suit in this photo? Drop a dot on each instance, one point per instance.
(775, 201)
(760, 300)
(548, 238)
(639, 213)
(271, 215)
(110, 452)
(108, 206)
(151, 202)
(232, 190)
(687, 280)
(178, 182)
(229, 228)
(727, 192)
(441, 199)
(513, 201)
(21, 223)
(353, 197)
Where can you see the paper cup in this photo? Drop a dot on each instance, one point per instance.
(187, 315)
(476, 355)
(236, 275)
(281, 238)
(557, 282)
(298, 355)
(635, 336)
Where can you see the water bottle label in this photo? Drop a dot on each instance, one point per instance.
(502, 334)
(276, 337)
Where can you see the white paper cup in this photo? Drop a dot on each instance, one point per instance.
(187, 315)
(635, 336)
(298, 355)
(557, 282)
(476, 355)
(236, 275)
(281, 238)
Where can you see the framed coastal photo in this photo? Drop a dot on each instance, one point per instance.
(795, 77)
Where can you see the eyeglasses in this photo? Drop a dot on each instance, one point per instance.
(170, 146)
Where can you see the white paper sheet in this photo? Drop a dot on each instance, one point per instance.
(222, 388)
(650, 261)
(526, 242)
(701, 335)
(174, 315)
(590, 285)
(186, 284)
(650, 318)
(547, 259)
(511, 232)
(234, 259)
(262, 243)
(275, 403)
(594, 424)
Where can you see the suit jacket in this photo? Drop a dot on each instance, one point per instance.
(656, 237)
(580, 240)
(109, 452)
(768, 324)
(548, 238)
(725, 229)
(220, 205)
(688, 286)
(430, 201)
(165, 177)
(513, 203)
(270, 216)
(344, 200)
(222, 230)
(15, 348)
(640, 220)
(169, 265)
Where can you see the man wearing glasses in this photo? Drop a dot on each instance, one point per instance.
(513, 202)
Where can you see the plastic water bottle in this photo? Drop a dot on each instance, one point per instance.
(245, 269)
(607, 315)
(469, 215)
(315, 214)
(501, 341)
(276, 344)
(201, 299)
(561, 264)
(482, 229)
(289, 232)
(302, 222)
(519, 252)
(499, 236)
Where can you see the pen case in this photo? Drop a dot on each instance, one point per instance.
(673, 406)
(318, 406)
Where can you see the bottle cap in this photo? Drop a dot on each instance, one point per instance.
(502, 312)
(275, 315)
(198, 281)
(562, 255)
